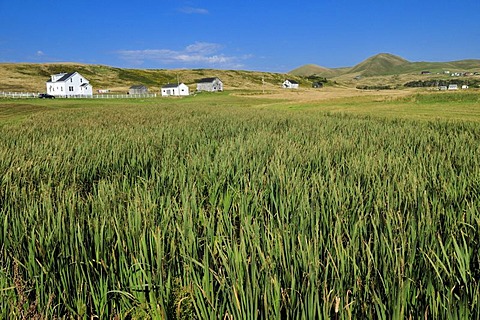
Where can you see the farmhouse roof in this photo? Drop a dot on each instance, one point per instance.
(170, 85)
(207, 80)
(64, 77)
(138, 87)
(292, 81)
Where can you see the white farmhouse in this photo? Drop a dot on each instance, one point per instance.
(452, 87)
(290, 84)
(69, 84)
(175, 90)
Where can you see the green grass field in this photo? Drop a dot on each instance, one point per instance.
(232, 207)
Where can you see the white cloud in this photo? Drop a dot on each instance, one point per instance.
(39, 53)
(203, 47)
(196, 55)
(191, 10)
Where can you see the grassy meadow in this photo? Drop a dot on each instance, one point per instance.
(225, 206)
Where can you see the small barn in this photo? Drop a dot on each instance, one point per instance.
(210, 84)
(290, 84)
(175, 90)
(138, 89)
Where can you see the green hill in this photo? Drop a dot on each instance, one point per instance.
(380, 64)
(313, 69)
(384, 64)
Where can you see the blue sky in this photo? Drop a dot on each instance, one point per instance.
(275, 36)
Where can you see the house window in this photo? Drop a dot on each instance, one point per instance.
(81, 80)
(70, 89)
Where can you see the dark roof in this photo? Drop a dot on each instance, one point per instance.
(207, 80)
(64, 78)
(138, 87)
(84, 85)
(170, 85)
(292, 81)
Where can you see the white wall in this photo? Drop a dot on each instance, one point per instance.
(71, 87)
(180, 90)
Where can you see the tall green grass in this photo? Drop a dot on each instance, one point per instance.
(191, 211)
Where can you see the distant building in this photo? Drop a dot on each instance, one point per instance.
(452, 87)
(68, 84)
(442, 88)
(175, 90)
(210, 84)
(317, 85)
(425, 72)
(138, 89)
(290, 84)
(464, 86)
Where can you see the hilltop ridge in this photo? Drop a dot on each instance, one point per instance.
(380, 64)
(388, 64)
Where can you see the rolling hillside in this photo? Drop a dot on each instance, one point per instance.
(28, 77)
(381, 69)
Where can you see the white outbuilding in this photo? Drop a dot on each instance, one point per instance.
(68, 85)
(290, 84)
(175, 90)
(210, 84)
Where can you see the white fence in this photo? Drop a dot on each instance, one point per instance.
(18, 95)
(95, 96)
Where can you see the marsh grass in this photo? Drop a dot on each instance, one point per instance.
(206, 209)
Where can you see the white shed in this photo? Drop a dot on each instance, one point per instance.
(290, 84)
(138, 89)
(210, 84)
(68, 84)
(175, 90)
(452, 87)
